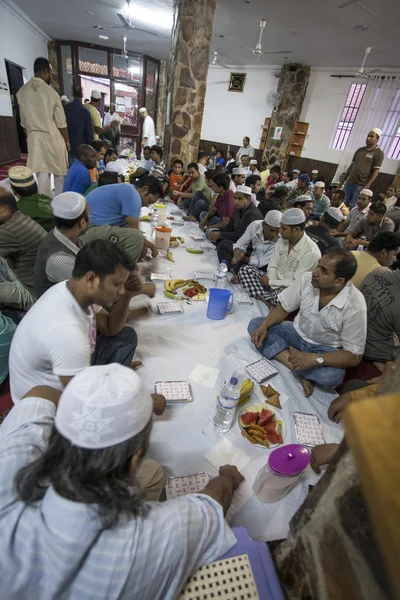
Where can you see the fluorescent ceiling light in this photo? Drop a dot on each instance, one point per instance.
(151, 16)
(103, 37)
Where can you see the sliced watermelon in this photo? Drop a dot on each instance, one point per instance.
(265, 417)
(274, 438)
(248, 418)
(274, 427)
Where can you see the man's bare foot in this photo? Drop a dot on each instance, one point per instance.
(235, 279)
(307, 386)
(135, 364)
(189, 218)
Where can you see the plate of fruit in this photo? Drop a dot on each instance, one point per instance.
(185, 289)
(261, 426)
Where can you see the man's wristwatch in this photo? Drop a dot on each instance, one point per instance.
(320, 361)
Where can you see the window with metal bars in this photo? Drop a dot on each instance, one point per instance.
(348, 116)
(390, 138)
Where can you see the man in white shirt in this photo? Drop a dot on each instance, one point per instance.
(262, 237)
(245, 149)
(202, 160)
(238, 178)
(391, 197)
(149, 130)
(295, 254)
(82, 514)
(357, 215)
(58, 338)
(328, 333)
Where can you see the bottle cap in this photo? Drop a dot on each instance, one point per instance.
(234, 380)
(291, 459)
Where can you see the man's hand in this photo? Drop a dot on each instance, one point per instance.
(322, 455)
(264, 281)
(337, 407)
(233, 474)
(203, 223)
(133, 285)
(68, 146)
(214, 236)
(302, 360)
(350, 241)
(259, 335)
(154, 251)
(159, 403)
(238, 256)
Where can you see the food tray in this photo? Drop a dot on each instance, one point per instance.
(187, 484)
(174, 391)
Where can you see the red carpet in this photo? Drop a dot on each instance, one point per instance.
(4, 168)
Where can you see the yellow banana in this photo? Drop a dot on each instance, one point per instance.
(181, 239)
(168, 286)
(177, 283)
(170, 256)
(243, 401)
(169, 295)
(195, 250)
(246, 389)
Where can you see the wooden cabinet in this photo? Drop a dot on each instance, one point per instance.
(297, 138)
(264, 133)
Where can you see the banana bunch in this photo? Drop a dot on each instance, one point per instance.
(245, 391)
(171, 285)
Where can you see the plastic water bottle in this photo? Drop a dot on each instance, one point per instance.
(154, 218)
(222, 270)
(227, 402)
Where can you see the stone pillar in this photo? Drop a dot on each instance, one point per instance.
(161, 100)
(292, 89)
(53, 59)
(187, 77)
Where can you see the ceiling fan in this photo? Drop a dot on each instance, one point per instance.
(216, 61)
(127, 23)
(361, 71)
(361, 5)
(258, 51)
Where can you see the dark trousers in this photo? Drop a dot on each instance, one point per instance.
(196, 205)
(118, 349)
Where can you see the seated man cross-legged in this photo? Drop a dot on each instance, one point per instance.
(57, 337)
(295, 254)
(222, 207)
(328, 333)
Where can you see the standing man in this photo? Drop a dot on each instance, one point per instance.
(364, 168)
(79, 123)
(45, 126)
(245, 149)
(149, 130)
(92, 106)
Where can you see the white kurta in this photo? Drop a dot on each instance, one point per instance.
(149, 131)
(42, 115)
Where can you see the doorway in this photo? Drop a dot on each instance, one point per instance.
(15, 82)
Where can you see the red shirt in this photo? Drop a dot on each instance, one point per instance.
(270, 181)
(225, 204)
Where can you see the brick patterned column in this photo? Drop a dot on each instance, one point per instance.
(292, 88)
(53, 59)
(187, 77)
(162, 100)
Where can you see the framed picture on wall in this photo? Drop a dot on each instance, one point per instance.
(236, 82)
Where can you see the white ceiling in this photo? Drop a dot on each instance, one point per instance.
(316, 31)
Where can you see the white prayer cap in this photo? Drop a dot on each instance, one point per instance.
(158, 137)
(319, 184)
(68, 205)
(143, 109)
(95, 94)
(244, 189)
(377, 131)
(103, 406)
(302, 199)
(314, 171)
(64, 99)
(238, 171)
(112, 167)
(367, 192)
(293, 216)
(335, 213)
(253, 161)
(296, 171)
(273, 218)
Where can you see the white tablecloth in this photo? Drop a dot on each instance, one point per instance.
(171, 346)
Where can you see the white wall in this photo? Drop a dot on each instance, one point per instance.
(229, 116)
(21, 41)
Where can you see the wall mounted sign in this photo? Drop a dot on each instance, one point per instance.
(236, 82)
(277, 133)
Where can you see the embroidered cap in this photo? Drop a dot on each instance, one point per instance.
(68, 205)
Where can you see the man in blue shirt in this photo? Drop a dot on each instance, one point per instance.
(78, 177)
(79, 123)
(116, 204)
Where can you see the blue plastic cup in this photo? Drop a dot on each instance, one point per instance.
(219, 303)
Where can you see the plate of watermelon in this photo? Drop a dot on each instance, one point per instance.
(261, 426)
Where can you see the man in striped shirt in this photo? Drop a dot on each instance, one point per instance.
(20, 238)
(159, 170)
